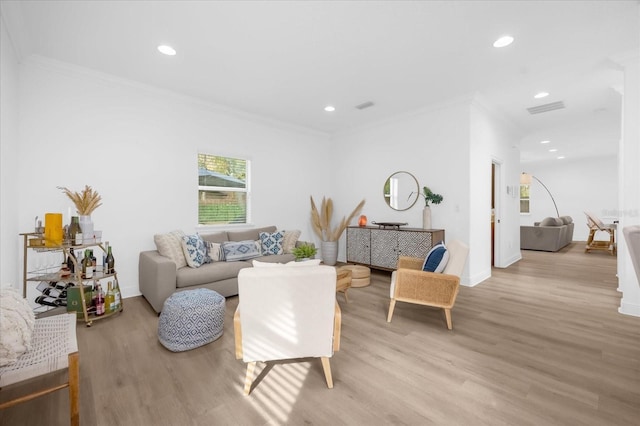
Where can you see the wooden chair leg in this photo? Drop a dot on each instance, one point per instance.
(346, 297)
(392, 305)
(447, 314)
(326, 366)
(74, 388)
(248, 380)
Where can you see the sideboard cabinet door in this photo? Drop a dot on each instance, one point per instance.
(384, 248)
(358, 245)
(380, 248)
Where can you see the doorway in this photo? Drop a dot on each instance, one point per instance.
(495, 215)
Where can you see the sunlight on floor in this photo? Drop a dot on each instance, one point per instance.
(275, 394)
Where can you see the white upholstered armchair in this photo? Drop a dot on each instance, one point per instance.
(286, 312)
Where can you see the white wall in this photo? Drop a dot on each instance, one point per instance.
(137, 147)
(577, 186)
(493, 139)
(9, 161)
(434, 145)
(629, 182)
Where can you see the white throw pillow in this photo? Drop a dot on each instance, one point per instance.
(16, 326)
(258, 264)
(290, 240)
(310, 262)
(170, 245)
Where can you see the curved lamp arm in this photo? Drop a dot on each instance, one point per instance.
(523, 179)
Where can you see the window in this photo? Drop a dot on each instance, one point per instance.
(223, 190)
(524, 198)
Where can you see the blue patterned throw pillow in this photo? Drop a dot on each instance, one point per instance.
(272, 243)
(195, 250)
(239, 250)
(436, 259)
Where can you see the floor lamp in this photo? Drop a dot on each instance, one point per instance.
(525, 179)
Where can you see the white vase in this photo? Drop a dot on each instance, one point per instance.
(329, 251)
(86, 225)
(426, 218)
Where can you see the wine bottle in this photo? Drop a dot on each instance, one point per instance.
(48, 301)
(93, 260)
(111, 263)
(74, 230)
(110, 299)
(104, 257)
(70, 262)
(87, 265)
(117, 295)
(99, 301)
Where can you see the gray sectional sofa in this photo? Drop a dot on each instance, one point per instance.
(551, 234)
(161, 276)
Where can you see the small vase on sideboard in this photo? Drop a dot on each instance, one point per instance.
(426, 218)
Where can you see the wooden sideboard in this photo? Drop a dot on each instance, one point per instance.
(380, 247)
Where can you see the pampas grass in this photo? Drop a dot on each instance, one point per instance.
(321, 220)
(86, 201)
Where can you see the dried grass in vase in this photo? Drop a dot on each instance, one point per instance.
(321, 220)
(86, 201)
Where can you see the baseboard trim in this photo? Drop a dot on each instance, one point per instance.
(629, 309)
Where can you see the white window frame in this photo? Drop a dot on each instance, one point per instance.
(524, 199)
(246, 190)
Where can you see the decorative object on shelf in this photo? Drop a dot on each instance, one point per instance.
(362, 221)
(384, 225)
(86, 202)
(304, 252)
(74, 230)
(321, 224)
(429, 197)
(53, 232)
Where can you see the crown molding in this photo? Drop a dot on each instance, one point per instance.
(76, 71)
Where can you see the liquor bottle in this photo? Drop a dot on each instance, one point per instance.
(111, 263)
(104, 257)
(110, 299)
(117, 295)
(70, 262)
(87, 265)
(74, 230)
(99, 301)
(93, 260)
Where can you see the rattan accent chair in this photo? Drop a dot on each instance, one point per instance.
(53, 347)
(409, 283)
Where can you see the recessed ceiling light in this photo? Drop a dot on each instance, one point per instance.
(541, 95)
(503, 41)
(167, 50)
(329, 108)
(561, 157)
(553, 150)
(545, 141)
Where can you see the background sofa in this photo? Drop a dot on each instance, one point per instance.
(551, 234)
(162, 275)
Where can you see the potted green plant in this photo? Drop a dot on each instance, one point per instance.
(429, 197)
(304, 251)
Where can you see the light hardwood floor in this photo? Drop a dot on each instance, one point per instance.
(540, 343)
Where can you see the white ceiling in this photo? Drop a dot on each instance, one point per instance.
(285, 60)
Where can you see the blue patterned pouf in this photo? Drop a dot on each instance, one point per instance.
(190, 319)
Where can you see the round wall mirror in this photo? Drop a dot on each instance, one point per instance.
(401, 191)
